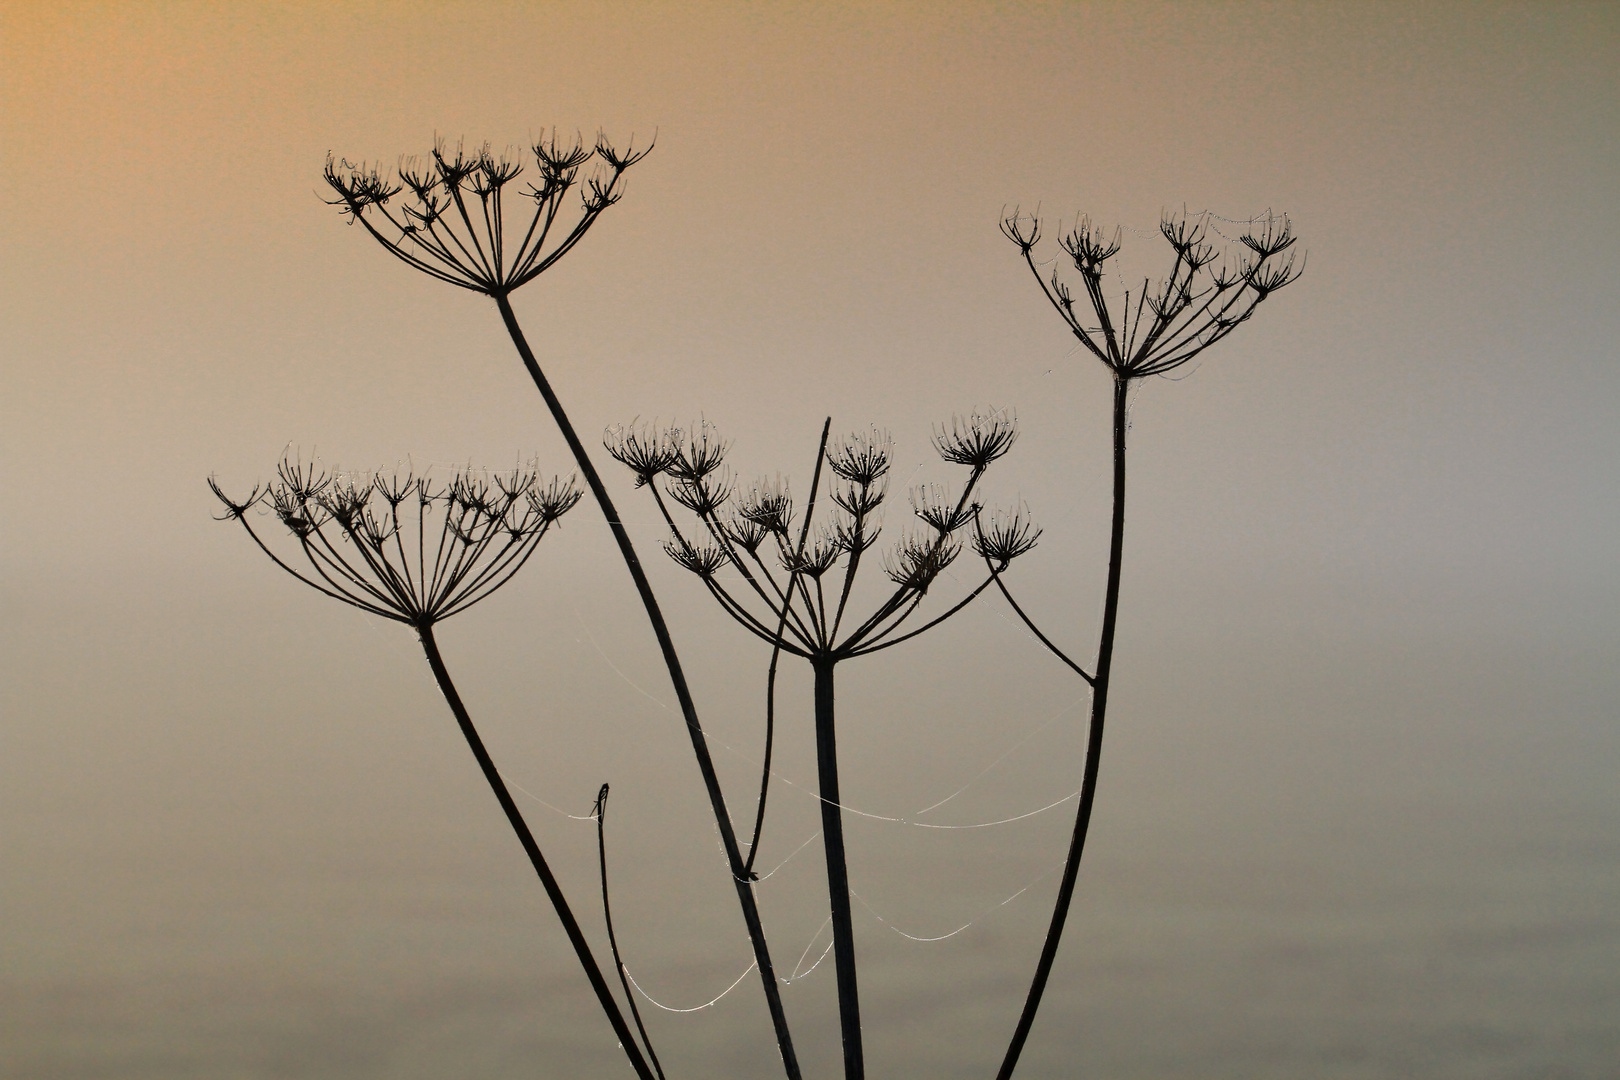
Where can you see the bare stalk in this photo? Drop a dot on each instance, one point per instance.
(565, 915)
(666, 645)
(770, 741)
(832, 832)
(613, 939)
(1094, 741)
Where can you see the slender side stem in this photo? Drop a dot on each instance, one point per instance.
(1099, 704)
(832, 833)
(613, 939)
(1030, 624)
(666, 644)
(776, 646)
(770, 738)
(582, 948)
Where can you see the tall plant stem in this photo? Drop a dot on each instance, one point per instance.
(582, 948)
(666, 644)
(832, 834)
(1099, 705)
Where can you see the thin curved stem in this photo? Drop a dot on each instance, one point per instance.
(613, 940)
(770, 738)
(387, 613)
(776, 654)
(582, 948)
(746, 619)
(1094, 741)
(1030, 623)
(683, 695)
(882, 641)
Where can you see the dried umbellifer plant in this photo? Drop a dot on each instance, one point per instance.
(417, 552)
(469, 220)
(771, 574)
(1156, 328)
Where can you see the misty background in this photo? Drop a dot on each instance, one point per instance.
(1359, 813)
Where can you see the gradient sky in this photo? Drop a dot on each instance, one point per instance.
(1359, 812)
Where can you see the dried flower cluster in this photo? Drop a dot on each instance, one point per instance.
(783, 566)
(404, 547)
(447, 215)
(1205, 297)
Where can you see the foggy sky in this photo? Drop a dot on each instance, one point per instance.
(1358, 804)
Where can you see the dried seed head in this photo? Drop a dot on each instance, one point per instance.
(516, 482)
(395, 489)
(768, 504)
(938, 508)
(348, 528)
(851, 539)
(555, 158)
(301, 481)
(617, 160)
(918, 561)
(1269, 236)
(861, 458)
(815, 560)
(300, 513)
(1090, 247)
(856, 499)
(454, 170)
(487, 249)
(346, 497)
(234, 509)
(745, 532)
(978, 438)
(1008, 536)
(647, 451)
(1185, 233)
(494, 172)
(1266, 278)
(421, 178)
(702, 453)
(600, 193)
(470, 492)
(702, 495)
(703, 560)
(1025, 232)
(357, 186)
(555, 499)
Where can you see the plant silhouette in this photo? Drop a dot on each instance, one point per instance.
(789, 606)
(1206, 296)
(415, 552)
(448, 217)
(492, 223)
